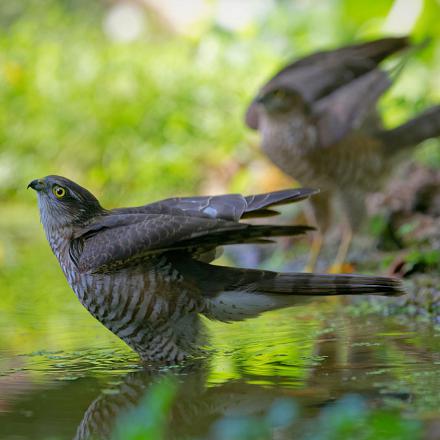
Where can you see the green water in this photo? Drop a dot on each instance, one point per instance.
(64, 375)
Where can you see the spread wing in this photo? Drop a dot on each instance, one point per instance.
(321, 74)
(123, 237)
(347, 108)
(231, 207)
(375, 51)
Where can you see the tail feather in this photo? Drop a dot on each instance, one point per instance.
(304, 284)
(255, 291)
(422, 127)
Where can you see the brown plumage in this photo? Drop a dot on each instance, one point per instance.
(144, 272)
(318, 122)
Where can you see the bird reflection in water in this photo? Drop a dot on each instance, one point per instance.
(199, 408)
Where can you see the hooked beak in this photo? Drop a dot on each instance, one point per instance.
(37, 184)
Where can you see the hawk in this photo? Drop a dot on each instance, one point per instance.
(319, 124)
(145, 272)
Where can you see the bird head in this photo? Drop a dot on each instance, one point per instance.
(282, 100)
(64, 203)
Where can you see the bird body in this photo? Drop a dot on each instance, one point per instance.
(312, 164)
(347, 170)
(146, 305)
(318, 123)
(145, 272)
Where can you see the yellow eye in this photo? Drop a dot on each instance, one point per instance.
(59, 192)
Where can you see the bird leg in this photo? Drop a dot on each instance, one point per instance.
(317, 213)
(339, 265)
(315, 249)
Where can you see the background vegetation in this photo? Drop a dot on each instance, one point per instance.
(162, 114)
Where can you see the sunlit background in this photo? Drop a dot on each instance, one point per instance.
(140, 100)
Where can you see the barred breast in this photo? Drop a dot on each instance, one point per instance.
(356, 161)
(290, 146)
(144, 305)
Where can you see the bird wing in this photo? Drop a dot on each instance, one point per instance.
(311, 82)
(321, 73)
(118, 240)
(371, 53)
(347, 108)
(231, 207)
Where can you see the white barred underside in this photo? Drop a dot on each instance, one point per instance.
(239, 305)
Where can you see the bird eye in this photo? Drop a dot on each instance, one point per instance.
(59, 192)
(279, 93)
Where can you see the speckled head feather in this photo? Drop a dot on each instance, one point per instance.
(64, 203)
(282, 100)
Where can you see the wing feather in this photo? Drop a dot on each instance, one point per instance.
(118, 240)
(230, 207)
(320, 74)
(196, 224)
(347, 108)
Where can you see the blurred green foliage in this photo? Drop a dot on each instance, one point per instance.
(148, 420)
(350, 418)
(346, 419)
(279, 417)
(156, 116)
(425, 259)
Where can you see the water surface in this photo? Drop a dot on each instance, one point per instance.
(64, 376)
(53, 393)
